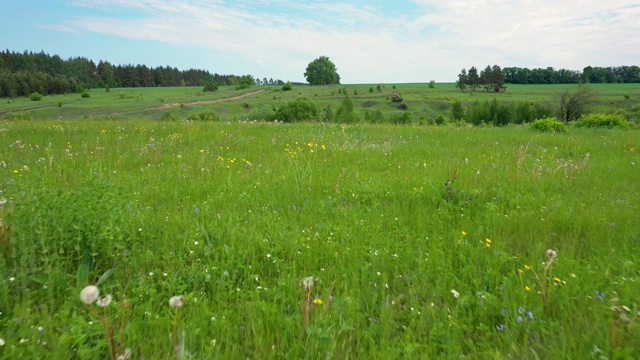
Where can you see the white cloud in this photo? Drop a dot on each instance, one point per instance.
(370, 45)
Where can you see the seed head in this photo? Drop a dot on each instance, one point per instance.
(176, 301)
(89, 294)
(105, 301)
(307, 283)
(551, 254)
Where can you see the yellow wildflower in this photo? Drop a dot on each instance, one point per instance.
(317, 301)
(520, 271)
(527, 267)
(557, 279)
(464, 233)
(527, 288)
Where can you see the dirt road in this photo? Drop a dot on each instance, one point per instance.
(199, 102)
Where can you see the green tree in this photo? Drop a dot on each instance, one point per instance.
(457, 111)
(300, 109)
(209, 84)
(473, 78)
(345, 113)
(322, 71)
(462, 80)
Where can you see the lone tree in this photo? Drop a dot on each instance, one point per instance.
(322, 71)
(572, 104)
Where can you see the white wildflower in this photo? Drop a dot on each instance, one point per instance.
(455, 293)
(2, 342)
(307, 283)
(176, 301)
(551, 254)
(105, 301)
(89, 294)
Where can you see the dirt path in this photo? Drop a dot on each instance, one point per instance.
(199, 102)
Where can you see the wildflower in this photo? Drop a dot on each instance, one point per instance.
(464, 233)
(317, 301)
(520, 271)
(527, 267)
(2, 342)
(89, 294)
(551, 254)
(176, 301)
(3, 201)
(455, 293)
(600, 295)
(105, 301)
(557, 279)
(530, 314)
(487, 242)
(307, 283)
(500, 327)
(527, 288)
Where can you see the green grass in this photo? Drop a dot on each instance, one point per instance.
(235, 215)
(423, 102)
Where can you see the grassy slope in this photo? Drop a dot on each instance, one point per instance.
(422, 101)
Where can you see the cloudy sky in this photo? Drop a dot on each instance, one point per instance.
(376, 41)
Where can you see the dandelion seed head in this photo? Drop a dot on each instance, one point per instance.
(89, 294)
(551, 254)
(176, 301)
(105, 301)
(307, 282)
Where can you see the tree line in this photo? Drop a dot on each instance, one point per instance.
(27, 72)
(494, 78)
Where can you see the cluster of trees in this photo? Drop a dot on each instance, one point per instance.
(517, 75)
(27, 72)
(590, 74)
(499, 113)
(491, 79)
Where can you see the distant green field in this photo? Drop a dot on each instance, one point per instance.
(423, 102)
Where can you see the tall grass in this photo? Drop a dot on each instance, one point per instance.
(427, 242)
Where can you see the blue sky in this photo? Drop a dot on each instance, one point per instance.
(375, 41)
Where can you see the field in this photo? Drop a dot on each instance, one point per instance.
(422, 241)
(422, 101)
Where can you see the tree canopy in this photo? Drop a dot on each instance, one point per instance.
(322, 71)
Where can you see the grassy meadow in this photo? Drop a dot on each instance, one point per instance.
(421, 241)
(423, 102)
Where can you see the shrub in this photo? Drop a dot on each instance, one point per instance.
(402, 119)
(345, 113)
(551, 124)
(432, 84)
(300, 109)
(439, 120)
(170, 116)
(35, 96)
(262, 113)
(374, 117)
(208, 115)
(608, 121)
(287, 87)
(85, 94)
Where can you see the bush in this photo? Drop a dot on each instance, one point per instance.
(35, 96)
(287, 87)
(262, 113)
(85, 94)
(432, 84)
(551, 124)
(208, 115)
(374, 117)
(439, 120)
(300, 109)
(402, 119)
(608, 121)
(170, 116)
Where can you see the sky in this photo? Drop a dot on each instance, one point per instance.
(376, 41)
